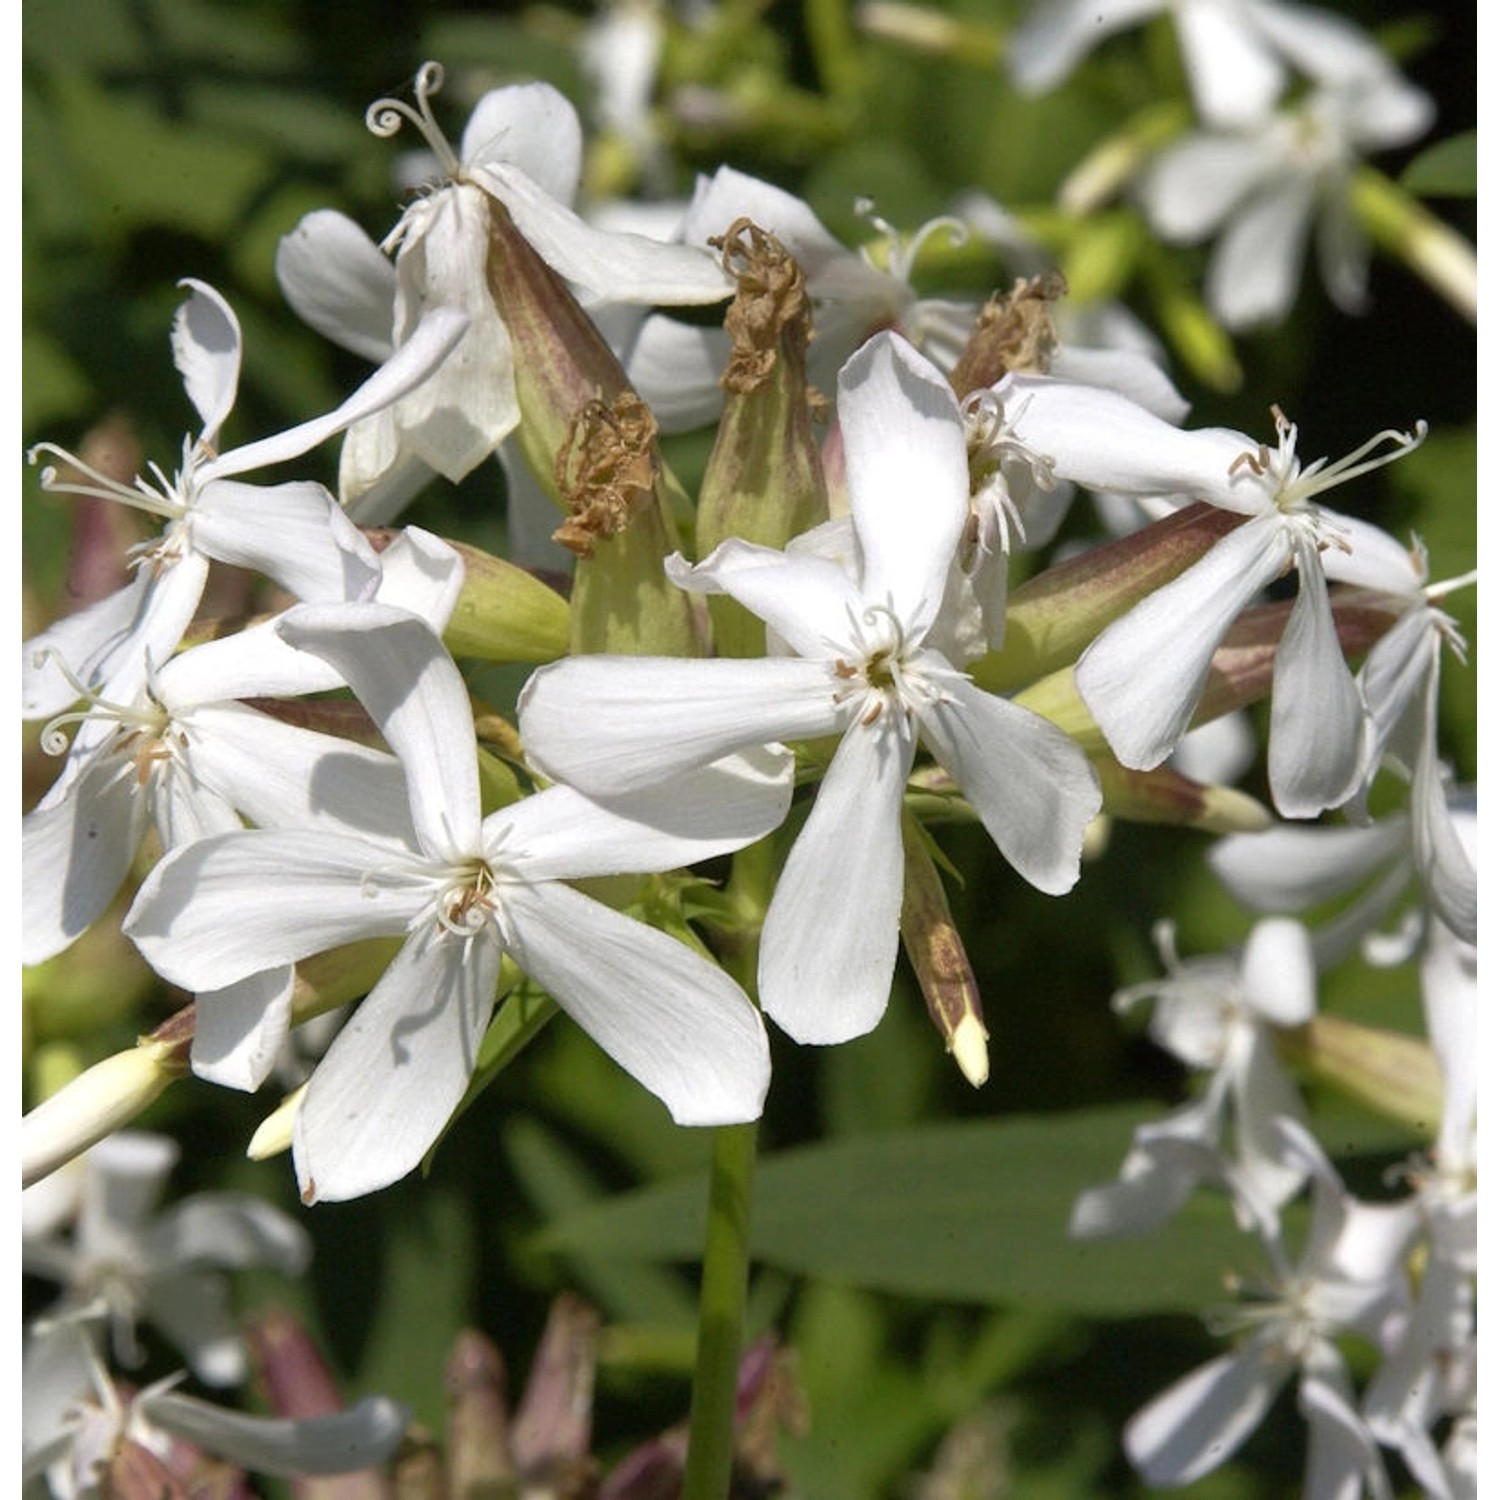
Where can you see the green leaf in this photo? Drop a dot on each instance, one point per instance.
(1450, 169)
(967, 1213)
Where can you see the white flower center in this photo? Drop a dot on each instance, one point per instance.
(1291, 487)
(879, 667)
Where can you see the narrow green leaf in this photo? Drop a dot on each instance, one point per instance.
(967, 1213)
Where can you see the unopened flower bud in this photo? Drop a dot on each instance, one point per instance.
(1392, 1073)
(273, 1136)
(936, 950)
(1166, 796)
(505, 613)
(99, 1101)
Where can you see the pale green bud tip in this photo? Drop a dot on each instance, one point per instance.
(274, 1134)
(970, 1049)
(99, 1101)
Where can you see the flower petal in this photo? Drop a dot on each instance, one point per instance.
(809, 601)
(74, 856)
(241, 1028)
(560, 834)
(397, 1071)
(908, 473)
(294, 533)
(399, 669)
(337, 281)
(1317, 742)
(675, 1022)
(1199, 1423)
(206, 351)
(531, 126)
(1253, 274)
(1031, 785)
(614, 724)
(428, 345)
(239, 903)
(620, 267)
(1277, 979)
(828, 948)
(1142, 677)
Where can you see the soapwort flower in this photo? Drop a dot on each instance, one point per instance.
(866, 660)
(184, 756)
(1214, 1013)
(464, 893)
(126, 1263)
(521, 153)
(82, 1433)
(1347, 1279)
(1143, 675)
(1266, 189)
(1237, 53)
(293, 533)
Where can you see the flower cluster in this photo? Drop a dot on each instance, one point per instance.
(713, 801)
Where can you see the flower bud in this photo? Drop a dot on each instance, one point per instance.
(99, 1101)
(1392, 1073)
(505, 613)
(936, 950)
(1166, 796)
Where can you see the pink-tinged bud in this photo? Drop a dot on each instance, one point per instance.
(479, 1457)
(298, 1384)
(1050, 618)
(936, 950)
(136, 1473)
(590, 442)
(764, 480)
(1166, 796)
(1392, 1073)
(554, 1422)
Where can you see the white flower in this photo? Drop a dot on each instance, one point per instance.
(522, 150)
(129, 1264)
(294, 533)
(186, 757)
(1342, 1282)
(1144, 674)
(1290, 869)
(676, 367)
(867, 663)
(1266, 188)
(1214, 1013)
(76, 1421)
(467, 891)
(1236, 52)
(1429, 1373)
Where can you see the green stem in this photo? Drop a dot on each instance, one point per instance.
(721, 1315)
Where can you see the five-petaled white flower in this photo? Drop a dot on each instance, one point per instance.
(126, 1263)
(294, 533)
(867, 661)
(466, 892)
(1144, 674)
(522, 150)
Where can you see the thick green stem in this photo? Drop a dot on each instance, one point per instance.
(721, 1315)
